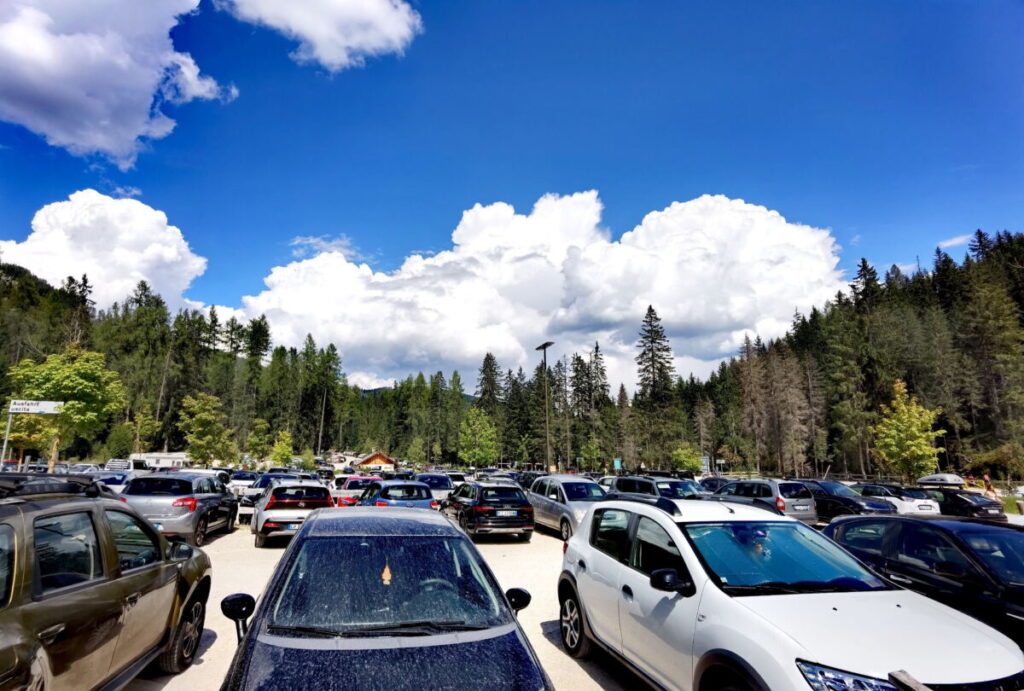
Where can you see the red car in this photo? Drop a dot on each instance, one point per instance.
(349, 491)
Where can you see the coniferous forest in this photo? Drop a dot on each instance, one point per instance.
(806, 403)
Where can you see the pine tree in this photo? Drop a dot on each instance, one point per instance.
(488, 388)
(654, 364)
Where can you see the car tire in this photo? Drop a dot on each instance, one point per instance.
(198, 538)
(526, 537)
(565, 529)
(464, 524)
(570, 626)
(181, 651)
(231, 522)
(722, 678)
(261, 540)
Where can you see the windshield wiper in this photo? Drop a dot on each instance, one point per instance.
(312, 630)
(411, 628)
(778, 587)
(766, 588)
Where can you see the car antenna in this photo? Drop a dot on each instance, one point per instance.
(731, 510)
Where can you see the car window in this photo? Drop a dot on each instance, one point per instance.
(1001, 549)
(405, 493)
(218, 486)
(866, 536)
(166, 486)
(654, 549)
(540, 486)
(435, 481)
(678, 489)
(205, 486)
(923, 547)
(6, 563)
(136, 547)
(583, 491)
(67, 551)
(610, 532)
(553, 491)
(502, 494)
(729, 488)
(762, 490)
(301, 493)
(794, 490)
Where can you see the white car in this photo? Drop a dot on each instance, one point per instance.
(912, 501)
(728, 596)
(284, 505)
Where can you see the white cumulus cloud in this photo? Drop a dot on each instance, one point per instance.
(92, 76)
(714, 268)
(955, 242)
(335, 33)
(116, 242)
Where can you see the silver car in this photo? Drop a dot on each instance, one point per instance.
(561, 501)
(789, 496)
(284, 506)
(183, 505)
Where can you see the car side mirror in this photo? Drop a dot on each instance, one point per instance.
(180, 551)
(950, 569)
(518, 598)
(668, 580)
(239, 607)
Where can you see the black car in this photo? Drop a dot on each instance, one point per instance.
(488, 508)
(526, 479)
(369, 599)
(833, 499)
(954, 501)
(712, 484)
(972, 565)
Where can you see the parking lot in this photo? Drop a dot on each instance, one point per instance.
(239, 567)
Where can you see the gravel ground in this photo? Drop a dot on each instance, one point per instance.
(239, 567)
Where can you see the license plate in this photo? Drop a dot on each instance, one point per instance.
(800, 507)
(505, 513)
(993, 510)
(292, 526)
(924, 507)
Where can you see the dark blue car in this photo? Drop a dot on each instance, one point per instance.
(382, 600)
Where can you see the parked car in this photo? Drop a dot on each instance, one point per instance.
(790, 497)
(183, 505)
(241, 479)
(972, 565)
(720, 596)
(486, 508)
(247, 496)
(326, 475)
(440, 485)
(713, 483)
(90, 594)
(527, 479)
(123, 464)
(667, 487)
(560, 501)
(407, 493)
(833, 499)
(403, 596)
(907, 500)
(285, 505)
(605, 481)
(456, 477)
(954, 501)
(114, 480)
(351, 487)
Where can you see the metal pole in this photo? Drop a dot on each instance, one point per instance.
(547, 411)
(7, 434)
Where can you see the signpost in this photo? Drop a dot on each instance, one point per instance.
(28, 408)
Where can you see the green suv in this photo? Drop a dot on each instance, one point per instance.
(90, 593)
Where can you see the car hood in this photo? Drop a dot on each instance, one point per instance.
(498, 658)
(875, 633)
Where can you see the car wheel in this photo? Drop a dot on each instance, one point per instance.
(199, 536)
(725, 679)
(181, 651)
(566, 530)
(464, 524)
(231, 522)
(570, 624)
(527, 536)
(261, 540)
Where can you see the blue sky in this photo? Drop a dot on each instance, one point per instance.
(894, 125)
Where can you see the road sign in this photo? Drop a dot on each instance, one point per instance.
(36, 407)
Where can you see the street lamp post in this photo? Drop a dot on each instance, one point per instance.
(543, 347)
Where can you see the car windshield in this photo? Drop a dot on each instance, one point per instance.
(159, 485)
(976, 499)
(583, 491)
(265, 480)
(1001, 550)
(405, 492)
(351, 584)
(794, 490)
(678, 489)
(502, 494)
(435, 481)
(244, 476)
(457, 477)
(838, 489)
(766, 558)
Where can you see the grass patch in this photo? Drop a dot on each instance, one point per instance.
(1010, 504)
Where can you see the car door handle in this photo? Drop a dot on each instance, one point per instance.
(582, 564)
(627, 592)
(900, 579)
(48, 634)
(131, 600)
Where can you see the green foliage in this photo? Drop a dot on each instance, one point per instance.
(478, 440)
(283, 450)
(904, 438)
(120, 441)
(687, 457)
(203, 424)
(307, 462)
(258, 444)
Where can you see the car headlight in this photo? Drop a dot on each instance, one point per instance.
(828, 679)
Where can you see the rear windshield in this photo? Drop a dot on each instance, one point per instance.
(794, 490)
(457, 477)
(502, 494)
(244, 476)
(265, 480)
(357, 484)
(435, 481)
(582, 491)
(167, 486)
(406, 492)
(913, 493)
(111, 478)
(976, 499)
(300, 493)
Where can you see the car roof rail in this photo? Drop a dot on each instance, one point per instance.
(746, 501)
(24, 484)
(666, 505)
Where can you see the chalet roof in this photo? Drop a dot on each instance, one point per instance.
(376, 459)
